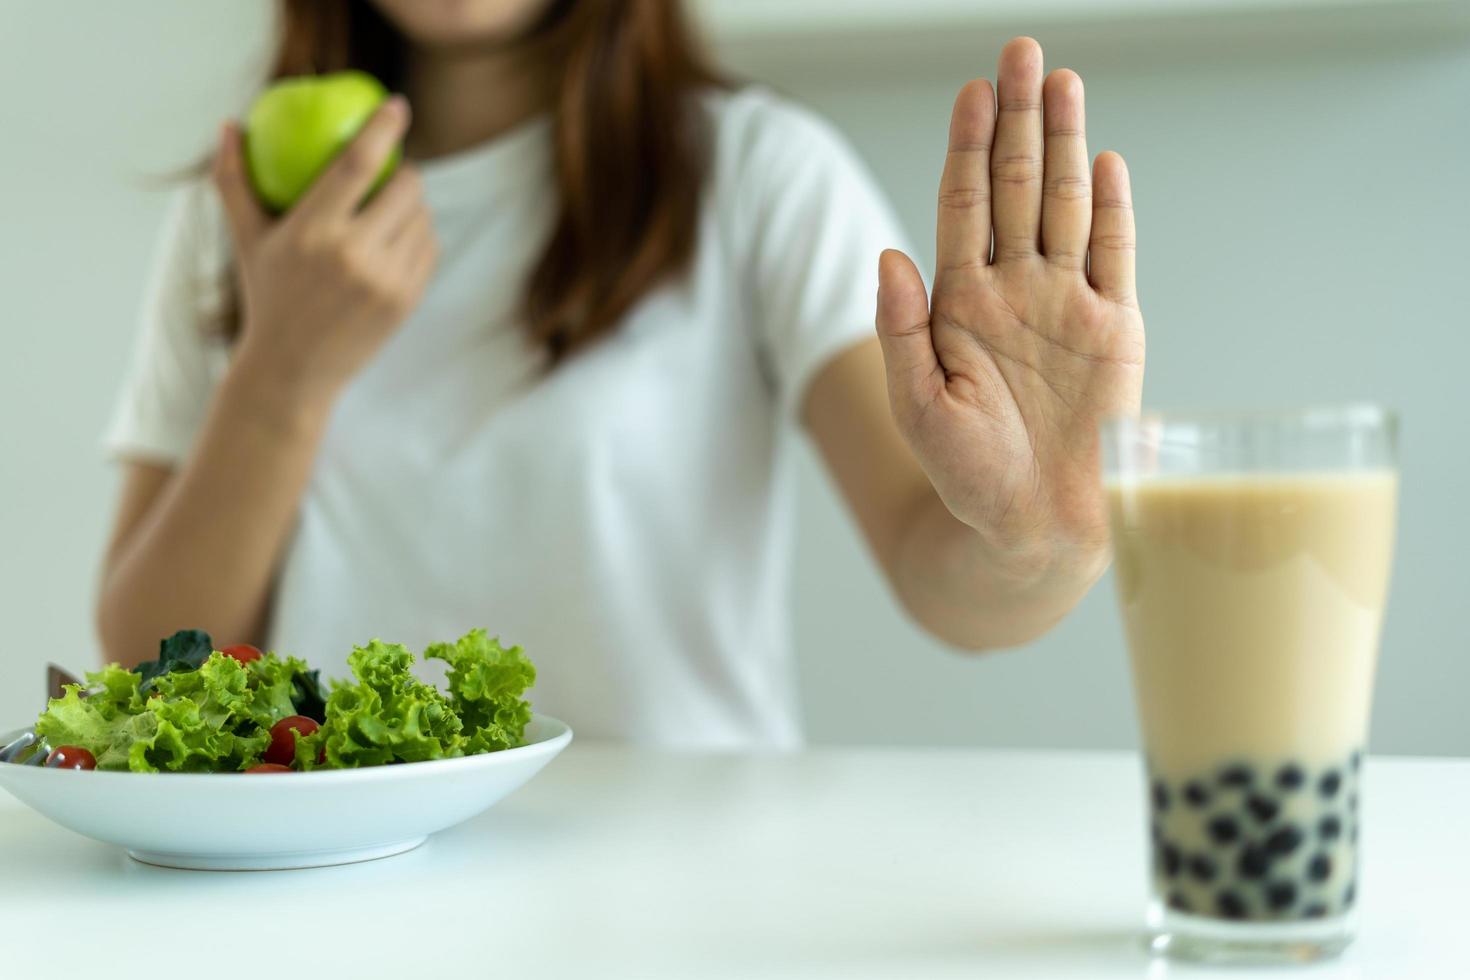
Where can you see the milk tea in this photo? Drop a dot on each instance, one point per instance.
(1253, 606)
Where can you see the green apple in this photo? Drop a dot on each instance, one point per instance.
(297, 127)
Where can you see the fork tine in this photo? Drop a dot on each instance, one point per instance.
(14, 748)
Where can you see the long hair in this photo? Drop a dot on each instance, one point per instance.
(630, 157)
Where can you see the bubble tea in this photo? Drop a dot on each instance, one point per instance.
(1252, 559)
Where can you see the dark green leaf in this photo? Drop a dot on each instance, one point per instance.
(308, 695)
(185, 650)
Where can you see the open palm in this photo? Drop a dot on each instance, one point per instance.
(1033, 333)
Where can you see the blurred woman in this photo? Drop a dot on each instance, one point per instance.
(550, 377)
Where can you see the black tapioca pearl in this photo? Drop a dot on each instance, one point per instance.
(1290, 777)
(1281, 895)
(1254, 863)
(1230, 905)
(1202, 868)
(1283, 841)
(1171, 860)
(1329, 828)
(1160, 795)
(1263, 808)
(1350, 893)
(1320, 867)
(1330, 783)
(1314, 911)
(1223, 830)
(1196, 794)
(1238, 777)
(1178, 902)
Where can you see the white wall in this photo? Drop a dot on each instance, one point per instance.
(1299, 184)
(96, 99)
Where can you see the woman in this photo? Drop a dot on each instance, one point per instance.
(548, 378)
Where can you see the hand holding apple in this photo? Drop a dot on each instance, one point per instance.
(297, 126)
(324, 285)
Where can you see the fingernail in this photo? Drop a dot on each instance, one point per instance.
(398, 105)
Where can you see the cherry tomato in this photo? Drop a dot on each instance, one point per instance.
(242, 652)
(282, 750)
(268, 767)
(71, 757)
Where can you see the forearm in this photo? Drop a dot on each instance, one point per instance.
(978, 596)
(206, 554)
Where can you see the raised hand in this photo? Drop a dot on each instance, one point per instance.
(1033, 333)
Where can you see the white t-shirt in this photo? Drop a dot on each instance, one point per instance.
(628, 519)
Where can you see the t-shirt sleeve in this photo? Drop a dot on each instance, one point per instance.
(815, 223)
(178, 357)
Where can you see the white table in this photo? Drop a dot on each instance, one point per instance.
(617, 862)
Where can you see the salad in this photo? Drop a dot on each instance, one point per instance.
(236, 709)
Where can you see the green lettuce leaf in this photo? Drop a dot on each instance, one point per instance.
(388, 715)
(486, 684)
(97, 727)
(274, 680)
(181, 735)
(213, 719)
(216, 718)
(117, 740)
(115, 690)
(198, 711)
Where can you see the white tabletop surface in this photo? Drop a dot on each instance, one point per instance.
(617, 862)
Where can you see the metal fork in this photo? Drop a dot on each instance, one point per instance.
(56, 680)
(12, 750)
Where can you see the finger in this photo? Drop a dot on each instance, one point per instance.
(1015, 162)
(416, 252)
(391, 208)
(913, 369)
(1066, 199)
(425, 258)
(243, 212)
(1111, 248)
(416, 229)
(339, 189)
(964, 189)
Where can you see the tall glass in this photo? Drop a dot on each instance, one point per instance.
(1252, 559)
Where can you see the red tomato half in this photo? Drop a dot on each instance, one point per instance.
(282, 750)
(242, 652)
(268, 767)
(71, 757)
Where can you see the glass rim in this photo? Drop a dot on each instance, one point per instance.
(1345, 415)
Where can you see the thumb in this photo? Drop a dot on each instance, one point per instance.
(247, 219)
(914, 374)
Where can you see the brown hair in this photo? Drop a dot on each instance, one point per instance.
(629, 151)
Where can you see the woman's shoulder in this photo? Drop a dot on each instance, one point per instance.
(189, 285)
(771, 154)
(194, 225)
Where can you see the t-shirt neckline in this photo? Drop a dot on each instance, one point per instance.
(508, 160)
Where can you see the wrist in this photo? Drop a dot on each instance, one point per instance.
(1028, 546)
(1041, 565)
(287, 402)
(980, 591)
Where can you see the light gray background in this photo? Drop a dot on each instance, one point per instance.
(1300, 184)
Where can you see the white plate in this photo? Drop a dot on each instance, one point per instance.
(238, 822)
